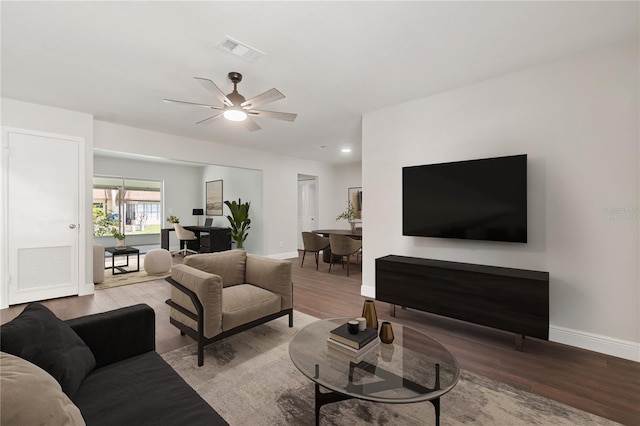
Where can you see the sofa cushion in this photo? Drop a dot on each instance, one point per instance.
(38, 336)
(30, 396)
(230, 265)
(208, 288)
(142, 390)
(244, 303)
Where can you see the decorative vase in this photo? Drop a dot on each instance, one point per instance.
(386, 332)
(120, 243)
(353, 226)
(369, 312)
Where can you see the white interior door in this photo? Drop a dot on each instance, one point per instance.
(42, 216)
(307, 206)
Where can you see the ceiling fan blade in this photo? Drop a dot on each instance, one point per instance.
(171, 101)
(210, 119)
(251, 125)
(263, 98)
(211, 86)
(287, 116)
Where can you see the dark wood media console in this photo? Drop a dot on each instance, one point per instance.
(514, 300)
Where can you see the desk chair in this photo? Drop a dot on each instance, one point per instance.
(184, 235)
(343, 246)
(313, 243)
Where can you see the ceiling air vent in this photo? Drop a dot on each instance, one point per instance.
(240, 49)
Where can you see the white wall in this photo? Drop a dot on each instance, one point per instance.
(279, 175)
(245, 184)
(346, 176)
(28, 116)
(578, 122)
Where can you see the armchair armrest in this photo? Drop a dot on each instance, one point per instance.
(206, 288)
(119, 334)
(273, 275)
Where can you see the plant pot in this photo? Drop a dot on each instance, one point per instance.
(120, 243)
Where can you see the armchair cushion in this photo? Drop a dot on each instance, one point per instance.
(273, 275)
(229, 265)
(40, 337)
(244, 303)
(208, 288)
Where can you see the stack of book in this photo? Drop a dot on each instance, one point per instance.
(352, 347)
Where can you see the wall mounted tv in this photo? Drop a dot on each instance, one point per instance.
(483, 199)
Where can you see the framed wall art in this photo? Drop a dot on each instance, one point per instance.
(213, 196)
(355, 198)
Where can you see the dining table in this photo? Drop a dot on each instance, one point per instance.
(326, 253)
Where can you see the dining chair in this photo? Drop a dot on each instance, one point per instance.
(343, 246)
(313, 243)
(184, 235)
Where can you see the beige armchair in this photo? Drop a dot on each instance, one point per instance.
(343, 246)
(313, 243)
(216, 295)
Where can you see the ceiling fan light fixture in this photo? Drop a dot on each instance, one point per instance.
(235, 114)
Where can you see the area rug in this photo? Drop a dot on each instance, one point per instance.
(249, 379)
(111, 281)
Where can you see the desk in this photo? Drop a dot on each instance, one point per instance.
(218, 239)
(326, 253)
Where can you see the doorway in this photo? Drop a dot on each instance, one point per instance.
(307, 205)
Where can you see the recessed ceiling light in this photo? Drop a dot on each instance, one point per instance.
(346, 149)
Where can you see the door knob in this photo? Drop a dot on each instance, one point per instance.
(72, 226)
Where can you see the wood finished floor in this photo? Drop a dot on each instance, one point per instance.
(597, 383)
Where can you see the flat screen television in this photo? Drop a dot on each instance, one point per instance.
(484, 199)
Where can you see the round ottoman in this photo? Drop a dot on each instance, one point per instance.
(157, 262)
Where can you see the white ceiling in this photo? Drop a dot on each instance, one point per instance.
(333, 60)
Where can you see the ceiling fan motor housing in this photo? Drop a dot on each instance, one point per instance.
(235, 77)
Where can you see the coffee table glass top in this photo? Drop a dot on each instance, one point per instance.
(413, 368)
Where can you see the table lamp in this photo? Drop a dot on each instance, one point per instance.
(198, 213)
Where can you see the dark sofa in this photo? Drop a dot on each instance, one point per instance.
(129, 384)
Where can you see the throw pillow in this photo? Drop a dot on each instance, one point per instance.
(30, 396)
(41, 338)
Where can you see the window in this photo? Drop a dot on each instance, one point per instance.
(130, 206)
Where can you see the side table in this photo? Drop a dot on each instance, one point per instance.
(122, 251)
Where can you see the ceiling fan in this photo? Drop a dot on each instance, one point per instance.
(235, 107)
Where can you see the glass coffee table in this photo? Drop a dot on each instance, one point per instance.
(414, 368)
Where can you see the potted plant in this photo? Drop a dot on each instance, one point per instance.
(173, 219)
(349, 214)
(239, 221)
(118, 236)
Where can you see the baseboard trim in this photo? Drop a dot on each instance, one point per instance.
(368, 291)
(283, 256)
(86, 289)
(594, 342)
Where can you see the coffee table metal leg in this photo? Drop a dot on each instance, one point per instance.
(330, 397)
(327, 398)
(436, 406)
